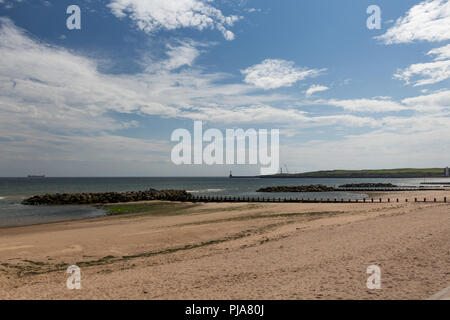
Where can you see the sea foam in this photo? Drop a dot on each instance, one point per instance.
(205, 190)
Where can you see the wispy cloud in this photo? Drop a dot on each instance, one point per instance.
(394, 144)
(275, 73)
(315, 88)
(442, 53)
(367, 105)
(433, 102)
(178, 53)
(420, 74)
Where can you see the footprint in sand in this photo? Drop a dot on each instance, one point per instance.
(73, 248)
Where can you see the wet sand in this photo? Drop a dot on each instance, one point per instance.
(237, 251)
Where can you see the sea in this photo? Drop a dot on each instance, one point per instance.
(14, 190)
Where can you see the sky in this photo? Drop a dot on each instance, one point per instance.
(104, 100)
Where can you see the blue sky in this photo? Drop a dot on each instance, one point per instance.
(104, 100)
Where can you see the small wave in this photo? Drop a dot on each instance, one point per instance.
(205, 190)
(2, 198)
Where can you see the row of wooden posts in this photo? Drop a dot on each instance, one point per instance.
(303, 200)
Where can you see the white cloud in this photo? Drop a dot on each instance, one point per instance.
(253, 114)
(183, 54)
(393, 145)
(274, 73)
(51, 89)
(10, 4)
(315, 88)
(251, 10)
(433, 102)
(43, 85)
(366, 105)
(442, 53)
(428, 73)
(393, 140)
(420, 74)
(153, 15)
(426, 21)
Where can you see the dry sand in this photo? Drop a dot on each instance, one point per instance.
(237, 251)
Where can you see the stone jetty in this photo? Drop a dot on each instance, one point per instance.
(107, 197)
(311, 188)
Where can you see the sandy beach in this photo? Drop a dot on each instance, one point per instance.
(236, 251)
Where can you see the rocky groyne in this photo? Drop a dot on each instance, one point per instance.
(107, 197)
(311, 188)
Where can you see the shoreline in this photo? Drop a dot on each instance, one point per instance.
(391, 196)
(234, 250)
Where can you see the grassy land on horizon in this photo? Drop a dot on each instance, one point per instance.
(381, 173)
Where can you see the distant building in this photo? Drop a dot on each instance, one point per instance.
(446, 172)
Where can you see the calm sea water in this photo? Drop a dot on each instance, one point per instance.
(14, 190)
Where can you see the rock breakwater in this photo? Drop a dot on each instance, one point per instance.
(107, 197)
(311, 188)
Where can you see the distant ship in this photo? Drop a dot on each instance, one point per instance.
(36, 176)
